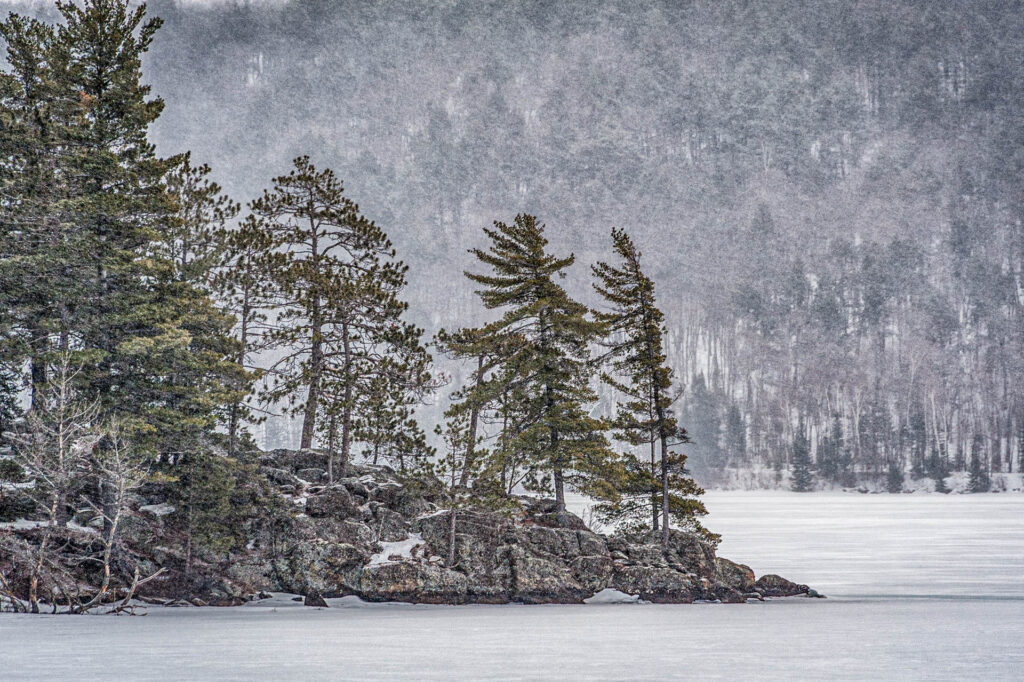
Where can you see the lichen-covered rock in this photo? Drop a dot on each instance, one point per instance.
(311, 475)
(776, 586)
(540, 581)
(333, 569)
(389, 525)
(315, 599)
(663, 585)
(413, 582)
(335, 502)
(333, 540)
(737, 576)
(280, 476)
(592, 572)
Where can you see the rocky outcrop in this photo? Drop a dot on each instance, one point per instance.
(385, 537)
(382, 538)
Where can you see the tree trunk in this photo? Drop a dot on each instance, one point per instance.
(656, 513)
(313, 397)
(38, 381)
(236, 407)
(451, 536)
(331, 438)
(346, 413)
(664, 490)
(560, 515)
(474, 418)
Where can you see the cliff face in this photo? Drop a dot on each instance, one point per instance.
(384, 537)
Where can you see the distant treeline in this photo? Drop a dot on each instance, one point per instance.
(827, 193)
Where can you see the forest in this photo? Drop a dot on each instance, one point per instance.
(826, 193)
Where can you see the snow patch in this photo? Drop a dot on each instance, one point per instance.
(402, 548)
(612, 596)
(26, 524)
(27, 485)
(22, 524)
(162, 509)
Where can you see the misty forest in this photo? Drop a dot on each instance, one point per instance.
(260, 257)
(827, 194)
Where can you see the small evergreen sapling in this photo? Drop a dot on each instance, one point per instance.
(803, 477)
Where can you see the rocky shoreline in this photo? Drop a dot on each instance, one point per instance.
(383, 537)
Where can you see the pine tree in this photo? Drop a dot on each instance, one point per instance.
(243, 289)
(980, 479)
(938, 469)
(803, 478)
(471, 403)
(339, 317)
(894, 476)
(41, 269)
(636, 353)
(93, 210)
(387, 427)
(195, 238)
(735, 434)
(550, 360)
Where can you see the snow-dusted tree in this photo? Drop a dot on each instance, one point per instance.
(639, 370)
(549, 360)
(194, 237)
(803, 476)
(53, 447)
(980, 481)
(244, 289)
(339, 316)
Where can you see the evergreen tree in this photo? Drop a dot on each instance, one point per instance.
(339, 318)
(830, 452)
(894, 476)
(938, 469)
(483, 398)
(803, 478)
(547, 334)
(702, 416)
(387, 427)
(735, 434)
(636, 352)
(242, 285)
(194, 240)
(980, 480)
(41, 268)
(91, 213)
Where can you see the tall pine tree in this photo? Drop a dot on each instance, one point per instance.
(635, 350)
(547, 334)
(339, 315)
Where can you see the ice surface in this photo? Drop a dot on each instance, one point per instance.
(920, 587)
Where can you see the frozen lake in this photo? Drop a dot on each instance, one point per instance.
(920, 587)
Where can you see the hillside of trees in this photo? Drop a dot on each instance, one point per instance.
(827, 195)
(148, 324)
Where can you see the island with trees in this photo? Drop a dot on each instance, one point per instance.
(147, 323)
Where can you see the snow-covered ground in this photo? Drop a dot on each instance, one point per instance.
(920, 587)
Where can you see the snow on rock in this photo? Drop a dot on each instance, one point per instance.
(612, 596)
(402, 548)
(27, 485)
(26, 524)
(162, 509)
(21, 524)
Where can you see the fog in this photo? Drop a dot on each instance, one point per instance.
(826, 193)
